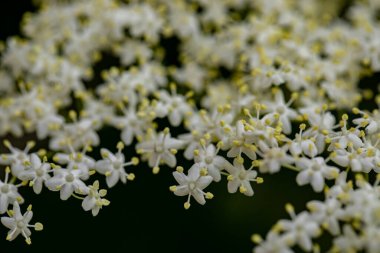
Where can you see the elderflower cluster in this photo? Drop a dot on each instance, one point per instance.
(255, 87)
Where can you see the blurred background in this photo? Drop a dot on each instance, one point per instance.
(144, 216)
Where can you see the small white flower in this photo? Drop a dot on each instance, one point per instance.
(8, 192)
(37, 173)
(300, 229)
(207, 158)
(240, 178)
(159, 148)
(67, 182)
(76, 161)
(314, 171)
(274, 158)
(327, 214)
(17, 159)
(192, 185)
(19, 224)
(113, 166)
(283, 110)
(94, 201)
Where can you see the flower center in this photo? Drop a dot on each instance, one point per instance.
(208, 159)
(159, 148)
(242, 175)
(117, 165)
(5, 188)
(69, 178)
(20, 224)
(192, 186)
(39, 172)
(280, 109)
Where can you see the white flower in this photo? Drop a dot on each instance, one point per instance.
(132, 125)
(192, 184)
(76, 161)
(303, 145)
(279, 107)
(17, 159)
(207, 158)
(274, 243)
(173, 105)
(274, 158)
(19, 224)
(241, 142)
(240, 178)
(94, 201)
(314, 171)
(300, 229)
(159, 148)
(67, 182)
(8, 193)
(113, 166)
(327, 214)
(37, 173)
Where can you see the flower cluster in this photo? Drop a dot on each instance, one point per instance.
(256, 87)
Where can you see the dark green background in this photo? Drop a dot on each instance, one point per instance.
(144, 216)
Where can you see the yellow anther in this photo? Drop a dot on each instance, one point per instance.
(303, 126)
(196, 152)
(73, 115)
(156, 170)
(207, 136)
(345, 117)
(103, 192)
(186, 205)
(179, 169)
(209, 195)
(108, 173)
(166, 130)
(242, 189)
(259, 180)
(203, 172)
(29, 208)
(355, 110)
(289, 208)
(256, 238)
(120, 145)
(27, 240)
(173, 151)
(131, 176)
(173, 188)
(240, 159)
(135, 160)
(230, 177)
(38, 226)
(7, 143)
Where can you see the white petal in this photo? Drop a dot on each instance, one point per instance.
(3, 203)
(88, 203)
(303, 177)
(305, 242)
(198, 196)
(204, 181)
(233, 186)
(194, 172)
(169, 159)
(8, 222)
(112, 179)
(317, 181)
(66, 191)
(180, 177)
(182, 190)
